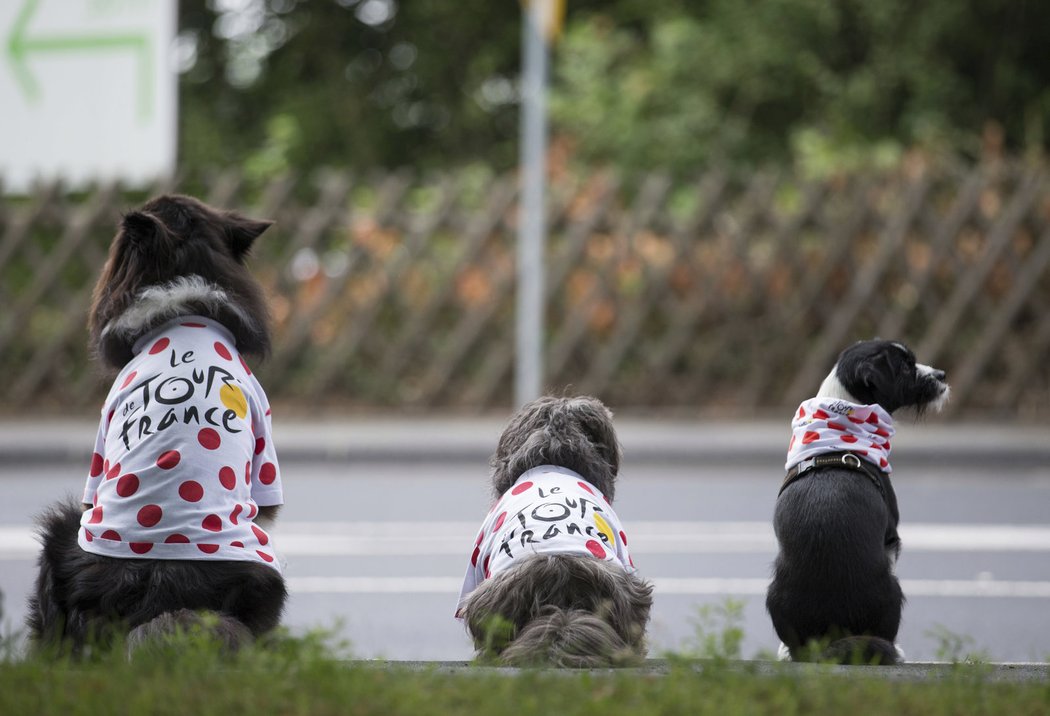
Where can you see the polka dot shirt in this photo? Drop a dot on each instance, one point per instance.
(549, 510)
(184, 456)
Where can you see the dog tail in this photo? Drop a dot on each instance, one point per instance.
(569, 638)
(862, 650)
(50, 619)
(560, 610)
(228, 632)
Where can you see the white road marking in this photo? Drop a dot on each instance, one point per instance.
(678, 586)
(325, 539)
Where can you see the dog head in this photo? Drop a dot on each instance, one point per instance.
(575, 433)
(178, 256)
(885, 372)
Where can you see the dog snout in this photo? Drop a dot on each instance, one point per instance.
(939, 375)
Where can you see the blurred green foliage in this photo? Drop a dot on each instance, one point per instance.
(286, 85)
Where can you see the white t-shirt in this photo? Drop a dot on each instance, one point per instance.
(824, 425)
(184, 455)
(549, 510)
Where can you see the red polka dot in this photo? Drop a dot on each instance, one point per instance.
(194, 325)
(268, 411)
(596, 549)
(208, 548)
(873, 419)
(140, 547)
(247, 473)
(88, 536)
(252, 510)
(237, 543)
(630, 560)
(109, 418)
(176, 538)
(223, 351)
(128, 485)
(883, 463)
(212, 523)
(113, 471)
(209, 439)
(791, 444)
(481, 536)
(820, 415)
(96, 516)
(801, 412)
(810, 437)
(191, 491)
(127, 381)
(848, 438)
(584, 486)
(110, 535)
(623, 538)
(521, 488)
(882, 433)
(150, 515)
(267, 473)
(485, 566)
(886, 446)
(856, 421)
(244, 365)
(499, 521)
(837, 426)
(260, 535)
(266, 557)
(159, 346)
(96, 464)
(169, 459)
(237, 509)
(260, 445)
(474, 557)
(228, 478)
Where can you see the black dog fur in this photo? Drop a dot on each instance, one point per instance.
(834, 586)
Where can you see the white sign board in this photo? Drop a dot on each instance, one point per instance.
(87, 91)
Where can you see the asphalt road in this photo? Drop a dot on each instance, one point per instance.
(378, 548)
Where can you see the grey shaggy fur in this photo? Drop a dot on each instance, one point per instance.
(575, 433)
(561, 610)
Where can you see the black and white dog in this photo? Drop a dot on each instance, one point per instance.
(550, 579)
(171, 530)
(834, 595)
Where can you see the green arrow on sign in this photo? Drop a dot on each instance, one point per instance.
(19, 45)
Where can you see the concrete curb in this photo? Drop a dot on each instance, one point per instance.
(914, 672)
(655, 441)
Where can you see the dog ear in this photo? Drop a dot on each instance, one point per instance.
(140, 227)
(241, 232)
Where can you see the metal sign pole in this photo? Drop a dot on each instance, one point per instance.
(528, 374)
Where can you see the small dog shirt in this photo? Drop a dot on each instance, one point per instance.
(824, 425)
(549, 510)
(184, 454)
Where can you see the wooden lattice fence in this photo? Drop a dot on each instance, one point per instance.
(731, 293)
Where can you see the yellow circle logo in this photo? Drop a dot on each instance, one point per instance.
(233, 398)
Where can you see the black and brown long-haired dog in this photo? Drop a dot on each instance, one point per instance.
(550, 579)
(183, 477)
(834, 595)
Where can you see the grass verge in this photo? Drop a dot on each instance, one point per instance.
(311, 676)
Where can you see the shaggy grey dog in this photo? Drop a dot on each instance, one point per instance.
(564, 609)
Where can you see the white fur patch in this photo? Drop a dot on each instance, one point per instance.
(832, 387)
(157, 304)
(938, 402)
